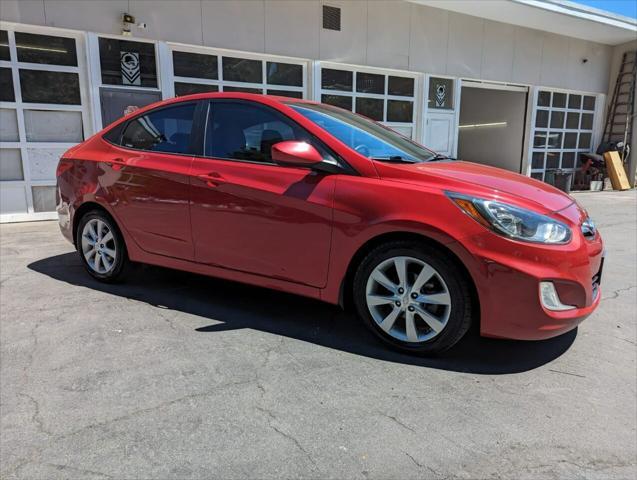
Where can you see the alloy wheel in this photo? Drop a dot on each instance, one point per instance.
(408, 299)
(98, 246)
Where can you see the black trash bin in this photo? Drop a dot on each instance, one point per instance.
(560, 179)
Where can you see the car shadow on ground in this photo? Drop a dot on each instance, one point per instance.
(234, 306)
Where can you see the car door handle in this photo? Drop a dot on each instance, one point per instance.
(211, 179)
(116, 161)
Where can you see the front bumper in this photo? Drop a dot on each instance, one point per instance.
(508, 276)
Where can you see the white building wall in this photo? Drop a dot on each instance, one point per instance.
(388, 34)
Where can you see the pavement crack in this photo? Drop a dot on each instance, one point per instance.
(395, 420)
(78, 470)
(36, 417)
(615, 293)
(567, 373)
(420, 465)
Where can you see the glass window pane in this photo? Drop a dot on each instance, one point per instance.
(46, 49)
(559, 100)
(11, 164)
(182, 88)
(542, 118)
(537, 176)
(570, 140)
(557, 119)
(289, 74)
(441, 93)
(574, 101)
(584, 141)
(370, 83)
(337, 79)
(552, 160)
(43, 162)
(40, 86)
(247, 132)
(286, 93)
(539, 140)
(589, 103)
(242, 70)
(124, 62)
(572, 120)
(537, 160)
(8, 125)
(587, 121)
(554, 140)
(568, 160)
(399, 111)
(195, 65)
(242, 90)
(43, 199)
(338, 101)
(6, 86)
(52, 126)
(544, 99)
(164, 130)
(370, 107)
(402, 86)
(4, 46)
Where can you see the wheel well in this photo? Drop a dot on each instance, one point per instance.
(345, 298)
(85, 208)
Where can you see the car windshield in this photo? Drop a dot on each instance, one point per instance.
(365, 136)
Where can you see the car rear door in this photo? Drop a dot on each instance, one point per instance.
(148, 179)
(251, 215)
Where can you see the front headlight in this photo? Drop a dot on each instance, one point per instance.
(513, 222)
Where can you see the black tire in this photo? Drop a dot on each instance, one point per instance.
(458, 286)
(119, 267)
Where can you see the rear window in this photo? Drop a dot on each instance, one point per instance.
(165, 130)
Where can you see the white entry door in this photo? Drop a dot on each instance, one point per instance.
(440, 132)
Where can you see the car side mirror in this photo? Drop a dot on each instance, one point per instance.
(295, 154)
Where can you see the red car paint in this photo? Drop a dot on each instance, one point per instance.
(291, 229)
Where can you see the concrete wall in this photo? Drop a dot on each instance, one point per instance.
(393, 34)
(616, 60)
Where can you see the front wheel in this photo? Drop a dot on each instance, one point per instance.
(413, 297)
(101, 246)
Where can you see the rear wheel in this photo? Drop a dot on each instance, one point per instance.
(101, 246)
(413, 297)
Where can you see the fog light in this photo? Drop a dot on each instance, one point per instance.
(550, 299)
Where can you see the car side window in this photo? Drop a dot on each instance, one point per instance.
(241, 131)
(164, 130)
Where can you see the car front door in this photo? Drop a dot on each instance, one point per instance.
(148, 173)
(251, 215)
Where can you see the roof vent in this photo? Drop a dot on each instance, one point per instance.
(331, 18)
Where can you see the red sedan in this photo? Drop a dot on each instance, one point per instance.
(315, 200)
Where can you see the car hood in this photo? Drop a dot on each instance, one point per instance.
(475, 179)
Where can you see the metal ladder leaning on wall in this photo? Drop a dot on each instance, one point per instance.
(621, 111)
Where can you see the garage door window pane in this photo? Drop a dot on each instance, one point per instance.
(6, 85)
(370, 107)
(370, 83)
(288, 74)
(572, 120)
(190, 88)
(286, 93)
(45, 49)
(164, 130)
(585, 141)
(337, 79)
(539, 140)
(542, 118)
(10, 164)
(242, 90)
(338, 101)
(140, 68)
(544, 99)
(399, 111)
(559, 100)
(8, 125)
(242, 70)
(552, 160)
(52, 126)
(43, 199)
(570, 140)
(39, 86)
(554, 140)
(195, 65)
(557, 119)
(568, 160)
(575, 101)
(589, 103)
(4, 46)
(587, 121)
(537, 160)
(441, 93)
(401, 86)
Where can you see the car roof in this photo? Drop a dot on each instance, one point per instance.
(240, 95)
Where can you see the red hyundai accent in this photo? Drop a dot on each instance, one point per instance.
(315, 200)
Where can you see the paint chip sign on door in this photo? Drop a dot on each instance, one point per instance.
(131, 74)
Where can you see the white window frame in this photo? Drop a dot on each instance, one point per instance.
(22, 144)
(417, 114)
(166, 51)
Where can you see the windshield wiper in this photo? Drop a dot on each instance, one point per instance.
(439, 157)
(393, 158)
